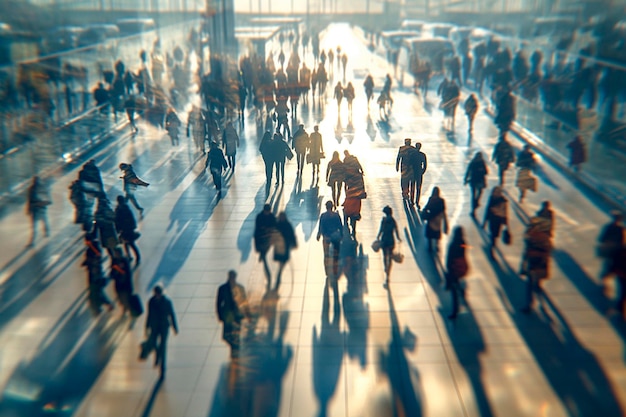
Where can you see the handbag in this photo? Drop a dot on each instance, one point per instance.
(507, 239)
(397, 257)
(145, 348)
(376, 245)
(322, 155)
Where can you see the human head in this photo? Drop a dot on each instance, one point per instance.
(497, 191)
(418, 146)
(158, 290)
(545, 205)
(267, 208)
(617, 216)
(407, 141)
(100, 85)
(301, 126)
(316, 128)
(121, 199)
(387, 210)
(346, 153)
(124, 166)
(330, 205)
(435, 192)
(232, 277)
(527, 147)
(282, 216)
(478, 155)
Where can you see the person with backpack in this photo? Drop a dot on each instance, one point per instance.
(503, 156)
(475, 176)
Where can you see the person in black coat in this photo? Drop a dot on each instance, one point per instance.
(216, 163)
(505, 112)
(96, 281)
(126, 225)
(476, 178)
(456, 269)
(264, 229)
(231, 310)
(122, 275)
(496, 215)
(160, 317)
(285, 242)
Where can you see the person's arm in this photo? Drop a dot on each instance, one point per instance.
(172, 315)
(445, 219)
(328, 169)
(319, 228)
(398, 160)
(395, 227)
(149, 317)
(188, 124)
(380, 230)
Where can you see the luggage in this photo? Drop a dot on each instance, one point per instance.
(136, 307)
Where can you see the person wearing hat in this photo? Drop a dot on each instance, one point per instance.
(404, 164)
(160, 317)
(388, 227)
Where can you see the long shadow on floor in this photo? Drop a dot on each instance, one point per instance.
(251, 385)
(304, 208)
(573, 371)
(328, 349)
(189, 217)
(404, 378)
(64, 367)
(589, 288)
(464, 332)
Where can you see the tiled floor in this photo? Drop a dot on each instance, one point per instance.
(356, 350)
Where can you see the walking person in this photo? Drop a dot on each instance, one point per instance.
(471, 108)
(505, 112)
(96, 281)
(279, 151)
(105, 225)
(331, 229)
(122, 276)
(198, 125)
(349, 94)
(161, 317)
(264, 229)
(131, 182)
(436, 218)
(216, 163)
(126, 225)
(404, 164)
(525, 164)
(496, 215)
(38, 200)
(578, 153)
(172, 124)
(285, 241)
(618, 268)
(231, 306)
(503, 156)
(355, 191)
(230, 140)
(338, 95)
(335, 177)
(300, 145)
(316, 153)
(536, 258)
(456, 269)
(475, 176)
(388, 228)
(265, 148)
(611, 239)
(420, 164)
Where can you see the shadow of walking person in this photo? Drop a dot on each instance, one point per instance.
(403, 377)
(328, 349)
(573, 371)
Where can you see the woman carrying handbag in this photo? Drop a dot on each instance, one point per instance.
(388, 227)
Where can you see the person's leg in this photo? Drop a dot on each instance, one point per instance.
(33, 224)
(418, 190)
(130, 196)
(135, 249)
(279, 274)
(277, 165)
(266, 269)
(454, 289)
(530, 289)
(282, 172)
(163, 351)
(44, 219)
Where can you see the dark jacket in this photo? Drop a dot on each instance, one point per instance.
(476, 173)
(264, 227)
(122, 276)
(125, 222)
(503, 154)
(161, 314)
(227, 308)
(215, 160)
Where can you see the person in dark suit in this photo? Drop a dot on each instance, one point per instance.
(160, 317)
(231, 310)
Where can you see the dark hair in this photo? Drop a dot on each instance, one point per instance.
(387, 210)
(158, 290)
(121, 199)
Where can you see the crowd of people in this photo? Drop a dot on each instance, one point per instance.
(261, 85)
